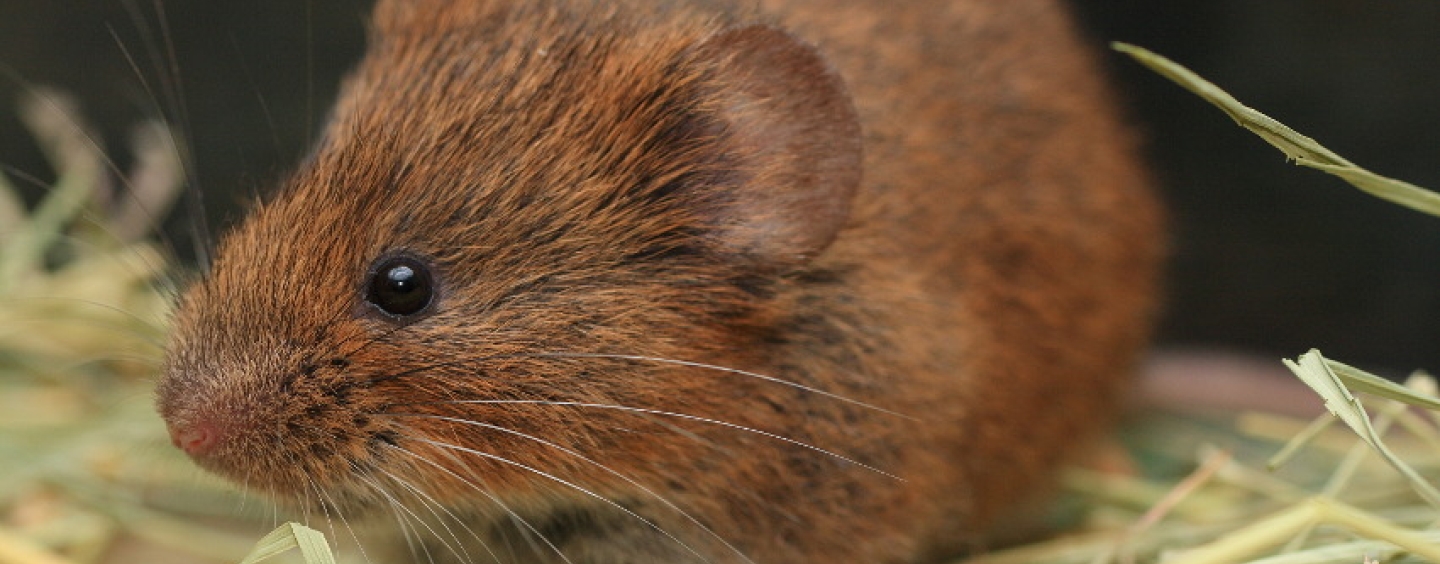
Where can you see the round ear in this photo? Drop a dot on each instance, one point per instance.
(790, 123)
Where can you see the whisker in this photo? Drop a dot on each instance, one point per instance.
(174, 90)
(431, 505)
(399, 511)
(582, 457)
(320, 492)
(274, 509)
(325, 511)
(395, 502)
(309, 74)
(685, 416)
(489, 495)
(259, 97)
(270, 492)
(305, 507)
(728, 370)
(180, 152)
(566, 483)
(404, 526)
(413, 543)
(308, 487)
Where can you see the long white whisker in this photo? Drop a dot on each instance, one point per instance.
(689, 417)
(173, 89)
(728, 370)
(274, 507)
(325, 510)
(320, 499)
(412, 545)
(305, 508)
(431, 505)
(400, 512)
(343, 520)
(582, 457)
(569, 484)
(492, 498)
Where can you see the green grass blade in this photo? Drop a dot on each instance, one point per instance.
(1297, 147)
(1362, 381)
(311, 543)
(1314, 371)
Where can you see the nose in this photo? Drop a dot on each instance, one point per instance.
(197, 439)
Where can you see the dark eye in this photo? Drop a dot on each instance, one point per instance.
(401, 286)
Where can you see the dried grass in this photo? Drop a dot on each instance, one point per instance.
(87, 474)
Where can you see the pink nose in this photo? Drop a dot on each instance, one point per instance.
(196, 439)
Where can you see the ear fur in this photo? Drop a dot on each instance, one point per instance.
(790, 122)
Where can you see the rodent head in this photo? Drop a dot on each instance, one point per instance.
(509, 210)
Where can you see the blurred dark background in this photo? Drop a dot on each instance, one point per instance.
(1269, 258)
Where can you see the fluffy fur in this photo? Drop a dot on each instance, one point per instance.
(830, 281)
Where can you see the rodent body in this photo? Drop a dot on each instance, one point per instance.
(701, 291)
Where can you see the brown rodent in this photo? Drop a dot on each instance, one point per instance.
(662, 282)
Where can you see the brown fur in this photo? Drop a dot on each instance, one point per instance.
(954, 276)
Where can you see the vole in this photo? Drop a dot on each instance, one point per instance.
(795, 281)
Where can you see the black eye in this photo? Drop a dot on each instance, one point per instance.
(401, 286)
